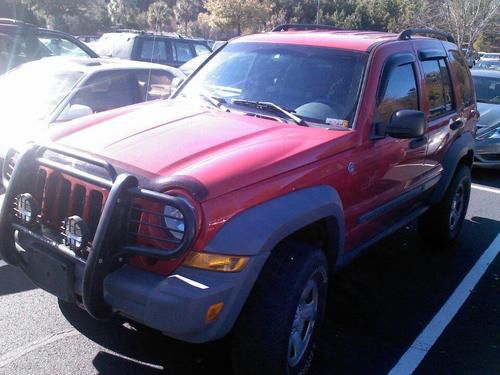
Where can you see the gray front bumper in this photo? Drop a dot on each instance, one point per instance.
(487, 153)
(177, 305)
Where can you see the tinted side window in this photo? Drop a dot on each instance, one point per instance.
(153, 50)
(437, 82)
(464, 80)
(448, 92)
(154, 84)
(62, 47)
(201, 49)
(400, 93)
(108, 90)
(182, 52)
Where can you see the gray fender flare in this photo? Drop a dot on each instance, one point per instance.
(256, 231)
(460, 147)
(259, 229)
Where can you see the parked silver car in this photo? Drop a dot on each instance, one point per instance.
(487, 84)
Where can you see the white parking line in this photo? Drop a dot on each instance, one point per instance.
(2, 263)
(486, 188)
(424, 342)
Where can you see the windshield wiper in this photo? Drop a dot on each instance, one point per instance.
(271, 107)
(215, 101)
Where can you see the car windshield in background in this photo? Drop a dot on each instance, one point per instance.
(318, 84)
(31, 92)
(488, 65)
(487, 89)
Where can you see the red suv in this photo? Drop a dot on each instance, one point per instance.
(228, 207)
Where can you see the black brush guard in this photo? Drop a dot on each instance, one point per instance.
(108, 249)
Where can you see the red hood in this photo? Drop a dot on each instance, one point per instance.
(223, 151)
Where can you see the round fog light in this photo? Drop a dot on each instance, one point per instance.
(76, 233)
(26, 208)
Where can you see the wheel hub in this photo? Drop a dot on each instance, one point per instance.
(303, 322)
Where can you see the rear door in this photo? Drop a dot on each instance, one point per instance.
(439, 102)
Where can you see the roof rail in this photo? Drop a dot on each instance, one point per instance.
(302, 26)
(406, 34)
(10, 21)
(122, 30)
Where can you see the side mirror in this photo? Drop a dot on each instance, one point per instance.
(74, 111)
(407, 123)
(176, 82)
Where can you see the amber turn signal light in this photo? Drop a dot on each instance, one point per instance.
(213, 312)
(215, 262)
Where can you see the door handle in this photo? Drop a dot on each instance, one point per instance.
(455, 125)
(418, 142)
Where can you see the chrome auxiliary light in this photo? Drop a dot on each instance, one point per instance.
(76, 233)
(26, 208)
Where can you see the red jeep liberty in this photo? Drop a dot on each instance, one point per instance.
(227, 207)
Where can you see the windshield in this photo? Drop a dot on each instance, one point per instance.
(487, 89)
(316, 83)
(31, 92)
(489, 65)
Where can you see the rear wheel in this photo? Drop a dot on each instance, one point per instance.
(442, 223)
(277, 329)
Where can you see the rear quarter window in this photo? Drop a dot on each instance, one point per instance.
(463, 78)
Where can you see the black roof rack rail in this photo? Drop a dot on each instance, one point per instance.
(303, 26)
(406, 34)
(11, 21)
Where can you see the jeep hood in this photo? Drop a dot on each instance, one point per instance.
(222, 151)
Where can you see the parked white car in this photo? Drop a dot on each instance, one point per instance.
(47, 93)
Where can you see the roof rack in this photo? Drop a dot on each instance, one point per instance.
(406, 34)
(302, 26)
(10, 21)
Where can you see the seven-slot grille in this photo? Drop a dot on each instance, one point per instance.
(64, 196)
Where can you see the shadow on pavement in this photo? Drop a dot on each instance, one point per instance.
(487, 177)
(380, 304)
(13, 280)
(377, 306)
(141, 344)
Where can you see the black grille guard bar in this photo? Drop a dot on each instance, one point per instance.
(101, 258)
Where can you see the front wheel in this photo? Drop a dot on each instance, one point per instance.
(277, 329)
(442, 223)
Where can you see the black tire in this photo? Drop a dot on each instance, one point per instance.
(437, 225)
(260, 343)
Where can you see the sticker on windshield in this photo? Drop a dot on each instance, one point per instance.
(337, 122)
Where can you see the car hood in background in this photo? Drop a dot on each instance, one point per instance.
(489, 114)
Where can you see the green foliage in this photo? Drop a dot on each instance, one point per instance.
(471, 21)
(160, 16)
(239, 15)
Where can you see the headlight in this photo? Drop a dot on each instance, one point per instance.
(495, 134)
(490, 132)
(174, 221)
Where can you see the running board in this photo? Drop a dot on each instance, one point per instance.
(348, 257)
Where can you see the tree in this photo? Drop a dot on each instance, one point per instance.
(122, 12)
(465, 19)
(186, 11)
(160, 16)
(238, 15)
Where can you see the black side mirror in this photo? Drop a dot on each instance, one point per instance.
(407, 123)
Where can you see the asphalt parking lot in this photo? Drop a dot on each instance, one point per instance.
(378, 307)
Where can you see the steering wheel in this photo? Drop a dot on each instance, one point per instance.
(317, 109)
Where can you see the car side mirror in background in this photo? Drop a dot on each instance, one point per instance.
(176, 82)
(74, 111)
(407, 123)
